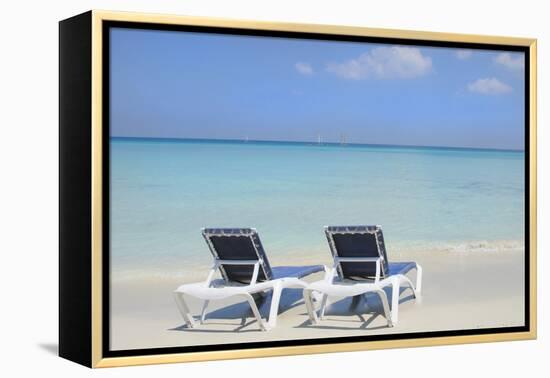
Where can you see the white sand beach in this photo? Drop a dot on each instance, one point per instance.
(477, 286)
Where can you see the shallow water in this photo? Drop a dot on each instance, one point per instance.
(164, 191)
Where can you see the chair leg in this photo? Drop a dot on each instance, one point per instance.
(274, 308)
(323, 306)
(203, 311)
(408, 282)
(418, 286)
(395, 300)
(263, 326)
(184, 310)
(308, 299)
(387, 313)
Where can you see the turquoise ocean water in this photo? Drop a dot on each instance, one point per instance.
(164, 191)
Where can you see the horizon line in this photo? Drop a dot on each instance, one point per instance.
(352, 144)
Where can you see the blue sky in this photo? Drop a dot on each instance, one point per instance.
(187, 85)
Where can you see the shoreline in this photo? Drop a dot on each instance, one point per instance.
(200, 264)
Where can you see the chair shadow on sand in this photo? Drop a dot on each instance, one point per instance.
(290, 298)
(360, 306)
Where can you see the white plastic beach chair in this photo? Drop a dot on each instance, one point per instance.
(361, 266)
(240, 258)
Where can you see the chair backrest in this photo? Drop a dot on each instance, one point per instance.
(238, 244)
(357, 241)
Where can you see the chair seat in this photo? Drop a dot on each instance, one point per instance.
(295, 271)
(401, 267)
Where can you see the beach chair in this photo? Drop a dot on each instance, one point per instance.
(245, 272)
(361, 266)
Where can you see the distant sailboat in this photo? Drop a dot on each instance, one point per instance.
(246, 139)
(319, 142)
(342, 140)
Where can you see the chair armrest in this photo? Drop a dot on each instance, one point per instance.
(211, 273)
(237, 262)
(330, 273)
(376, 260)
(357, 259)
(255, 263)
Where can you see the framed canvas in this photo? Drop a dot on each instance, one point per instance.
(234, 189)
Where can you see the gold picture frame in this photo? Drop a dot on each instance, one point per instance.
(84, 36)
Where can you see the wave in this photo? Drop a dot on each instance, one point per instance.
(188, 271)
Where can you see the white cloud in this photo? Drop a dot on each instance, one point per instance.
(489, 86)
(304, 68)
(384, 63)
(513, 62)
(463, 54)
